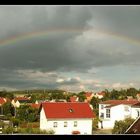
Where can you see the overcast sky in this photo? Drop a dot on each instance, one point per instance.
(74, 48)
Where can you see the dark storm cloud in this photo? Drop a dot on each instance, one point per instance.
(22, 19)
(68, 51)
(48, 53)
(58, 51)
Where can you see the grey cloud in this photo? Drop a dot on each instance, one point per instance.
(71, 81)
(123, 20)
(17, 20)
(66, 51)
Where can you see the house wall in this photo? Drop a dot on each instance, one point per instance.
(13, 103)
(43, 120)
(83, 125)
(135, 110)
(17, 104)
(100, 96)
(36, 102)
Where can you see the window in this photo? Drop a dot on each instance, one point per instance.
(65, 124)
(102, 115)
(102, 106)
(70, 110)
(126, 108)
(55, 124)
(107, 113)
(138, 113)
(75, 123)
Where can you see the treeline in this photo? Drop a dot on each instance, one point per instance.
(61, 94)
(120, 94)
(38, 91)
(6, 94)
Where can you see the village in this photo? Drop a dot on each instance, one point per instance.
(61, 113)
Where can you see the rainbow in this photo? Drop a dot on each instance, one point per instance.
(31, 35)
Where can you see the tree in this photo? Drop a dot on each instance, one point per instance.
(8, 130)
(81, 98)
(121, 126)
(6, 94)
(106, 96)
(95, 123)
(94, 102)
(10, 96)
(27, 113)
(132, 92)
(8, 109)
(15, 121)
(21, 112)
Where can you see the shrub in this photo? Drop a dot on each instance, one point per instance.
(8, 130)
(121, 126)
(34, 131)
(95, 124)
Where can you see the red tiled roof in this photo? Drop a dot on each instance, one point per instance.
(88, 94)
(136, 105)
(101, 93)
(20, 98)
(2, 101)
(73, 99)
(8, 100)
(67, 110)
(109, 106)
(35, 105)
(117, 102)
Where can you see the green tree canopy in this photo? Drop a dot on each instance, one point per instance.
(121, 126)
(8, 109)
(26, 113)
(94, 102)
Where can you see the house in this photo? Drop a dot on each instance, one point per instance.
(40, 101)
(58, 100)
(138, 96)
(74, 99)
(100, 95)
(20, 101)
(89, 96)
(135, 109)
(134, 127)
(115, 110)
(66, 118)
(36, 106)
(2, 101)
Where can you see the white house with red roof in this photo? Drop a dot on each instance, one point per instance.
(34, 105)
(20, 101)
(66, 118)
(99, 95)
(88, 96)
(138, 96)
(115, 110)
(74, 99)
(2, 101)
